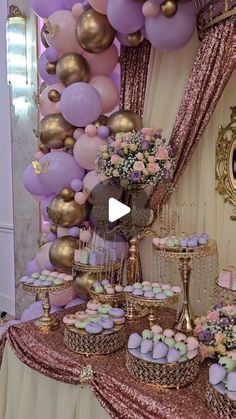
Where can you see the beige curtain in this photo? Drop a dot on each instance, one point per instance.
(26, 394)
(167, 79)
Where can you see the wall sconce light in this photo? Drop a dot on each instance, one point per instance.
(17, 57)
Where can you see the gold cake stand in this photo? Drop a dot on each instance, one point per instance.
(85, 275)
(115, 300)
(228, 295)
(185, 258)
(149, 305)
(220, 405)
(47, 322)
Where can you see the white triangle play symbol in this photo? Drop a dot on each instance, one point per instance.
(117, 210)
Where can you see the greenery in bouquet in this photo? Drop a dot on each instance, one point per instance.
(217, 331)
(137, 157)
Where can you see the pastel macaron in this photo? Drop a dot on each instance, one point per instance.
(93, 305)
(69, 319)
(93, 328)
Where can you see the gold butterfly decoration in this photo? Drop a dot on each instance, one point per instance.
(40, 168)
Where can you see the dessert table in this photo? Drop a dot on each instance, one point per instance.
(40, 377)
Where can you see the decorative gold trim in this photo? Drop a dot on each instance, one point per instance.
(225, 152)
(220, 405)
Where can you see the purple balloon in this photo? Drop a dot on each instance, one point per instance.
(68, 4)
(49, 266)
(35, 310)
(32, 184)
(76, 185)
(32, 267)
(45, 8)
(51, 237)
(125, 16)
(80, 104)
(103, 131)
(86, 5)
(45, 204)
(61, 170)
(172, 33)
(123, 39)
(74, 231)
(52, 55)
(48, 78)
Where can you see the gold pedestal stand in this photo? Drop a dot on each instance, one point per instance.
(185, 258)
(149, 305)
(228, 295)
(47, 322)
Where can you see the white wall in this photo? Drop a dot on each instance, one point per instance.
(7, 280)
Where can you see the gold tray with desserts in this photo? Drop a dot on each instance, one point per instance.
(221, 405)
(115, 300)
(106, 342)
(166, 375)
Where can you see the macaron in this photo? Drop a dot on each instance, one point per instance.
(99, 289)
(30, 281)
(180, 337)
(35, 275)
(156, 290)
(217, 373)
(146, 346)
(134, 341)
(68, 278)
(147, 288)
(182, 347)
(69, 319)
(105, 282)
(149, 294)
(81, 315)
(176, 289)
(166, 286)
(94, 318)
(183, 242)
(43, 277)
(169, 293)
(170, 243)
(93, 305)
(192, 354)
(170, 342)
(137, 292)
(192, 343)
(137, 285)
(58, 281)
(47, 283)
(106, 323)
(93, 328)
(46, 272)
(81, 324)
(159, 338)
(169, 333)
(156, 329)
(116, 312)
(160, 296)
(160, 350)
(62, 276)
(155, 284)
(119, 288)
(24, 279)
(146, 283)
(147, 334)
(54, 274)
(173, 355)
(104, 309)
(129, 288)
(110, 291)
(38, 283)
(91, 312)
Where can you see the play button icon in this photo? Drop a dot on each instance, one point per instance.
(117, 210)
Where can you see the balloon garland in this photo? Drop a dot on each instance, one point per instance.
(78, 98)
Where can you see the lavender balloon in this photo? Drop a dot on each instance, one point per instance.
(45, 204)
(49, 266)
(103, 131)
(80, 104)
(76, 185)
(74, 231)
(32, 184)
(52, 55)
(48, 78)
(32, 267)
(44, 8)
(172, 33)
(60, 169)
(125, 16)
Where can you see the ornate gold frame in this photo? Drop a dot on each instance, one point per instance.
(225, 159)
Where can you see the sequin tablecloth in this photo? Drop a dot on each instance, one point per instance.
(121, 396)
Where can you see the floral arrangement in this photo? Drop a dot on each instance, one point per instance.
(217, 331)
(141, 157)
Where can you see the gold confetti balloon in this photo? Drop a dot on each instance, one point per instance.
(94, 32)
(53, 130)
(124, 121)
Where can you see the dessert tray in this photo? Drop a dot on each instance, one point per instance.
(163, 374)
(220, 404)
(115, 300)
(106, 342)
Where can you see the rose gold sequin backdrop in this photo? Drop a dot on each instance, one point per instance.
(211, 71)
(134, 70)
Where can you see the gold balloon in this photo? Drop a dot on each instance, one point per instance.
(53, 228)
(124, 121)
(135, 38)
(67, 194)
(51, 68)
(72, 68)
(94, 32)
(101, 121)
(43, 36)
(169, 8)
(61, 253)
(66, 213)
(53, 130)
(54, 96)
(69, 142)
(43, 148)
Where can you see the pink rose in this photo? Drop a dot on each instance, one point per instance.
(115, 159)
(145, 172)
(139, 156)
(198, 329)
(219, 338)
(116, 143)
(115, 173)
(153, 168)
(147, 131)
(167, 165)
(151, 159)
(162, 153)
(139, 166)
(103, 148)
(213, 316)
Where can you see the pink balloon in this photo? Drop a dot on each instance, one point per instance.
(44, 8)
(78, 132)
(108, 92)
(77, 10)
(62, 37)
(99, 5)
(61, 232)
(80, 198)
(172, 33)
(45, 105)
(150, 9)
(104, 63)
(91, 130)
(101, 192)
(62, 298)
(42, 255)
(85, 150)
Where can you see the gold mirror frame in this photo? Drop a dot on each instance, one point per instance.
(226, 162)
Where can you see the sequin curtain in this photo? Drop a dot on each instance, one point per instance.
(134, 70)
(211, 71)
